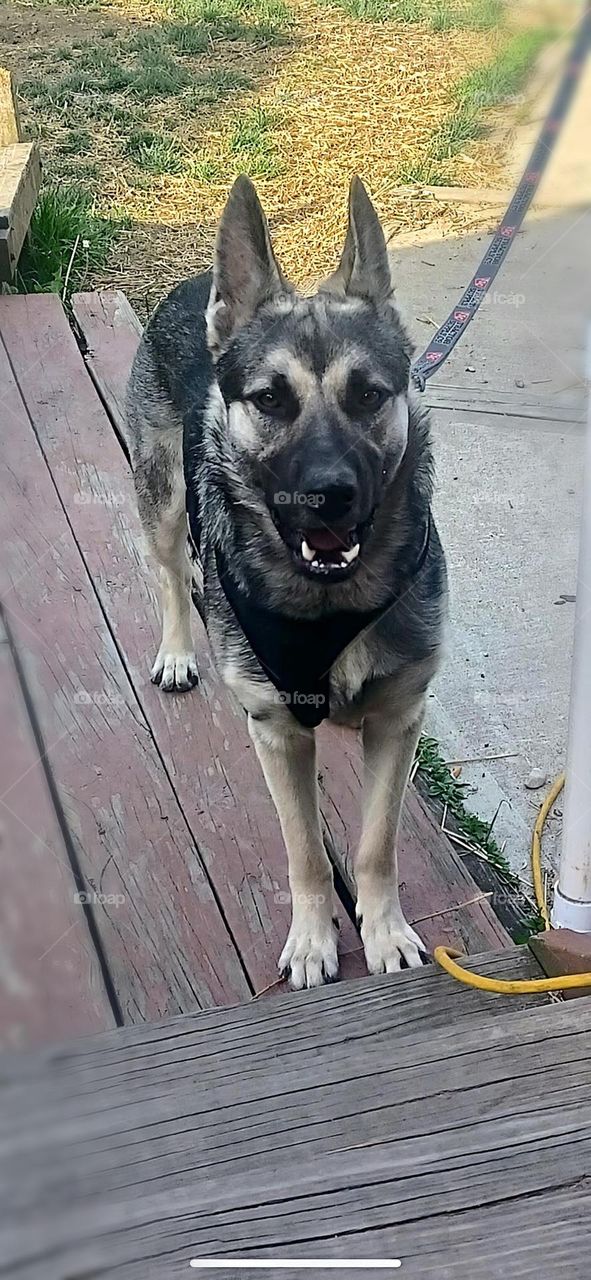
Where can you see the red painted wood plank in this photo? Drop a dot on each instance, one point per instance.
(434, 882)
(162, 931)
(51, 985)
(111, 332)
(201, 735)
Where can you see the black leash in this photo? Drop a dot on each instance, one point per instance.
(449, 333)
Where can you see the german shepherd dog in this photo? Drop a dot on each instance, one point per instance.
(284, 427)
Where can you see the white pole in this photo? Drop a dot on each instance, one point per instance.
(572, 899)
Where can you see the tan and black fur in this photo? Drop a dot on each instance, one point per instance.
(243, 392)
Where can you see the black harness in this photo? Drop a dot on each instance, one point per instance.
(297, 653)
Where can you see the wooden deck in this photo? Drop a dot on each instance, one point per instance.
(402, 1117)
(151, 807)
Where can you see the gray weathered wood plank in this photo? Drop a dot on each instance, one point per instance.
(454, 1151)
(144, 1056)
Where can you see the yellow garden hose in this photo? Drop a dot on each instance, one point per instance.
(536, 849)
(446, 957)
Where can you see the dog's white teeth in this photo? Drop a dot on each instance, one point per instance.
(349, 556)
(308, 553)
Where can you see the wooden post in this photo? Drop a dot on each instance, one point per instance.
(20, 178)
(9, 118)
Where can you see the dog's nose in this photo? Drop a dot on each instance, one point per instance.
(332, 495)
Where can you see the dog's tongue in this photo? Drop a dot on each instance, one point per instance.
(325, 539)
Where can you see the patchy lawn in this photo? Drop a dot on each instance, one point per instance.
(145, 110)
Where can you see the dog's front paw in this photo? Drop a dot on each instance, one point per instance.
(309, 957)
(174, 672)
(388, 941)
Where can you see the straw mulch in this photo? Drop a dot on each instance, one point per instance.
(349, 97)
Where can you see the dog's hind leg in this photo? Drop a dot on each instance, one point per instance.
(160, 488)
(288, 758)
(389, 743)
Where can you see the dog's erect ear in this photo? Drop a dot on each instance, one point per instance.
(363, 271)
(245, 270)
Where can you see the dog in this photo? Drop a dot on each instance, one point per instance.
(284, 428)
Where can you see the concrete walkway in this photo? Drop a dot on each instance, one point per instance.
(508, 412)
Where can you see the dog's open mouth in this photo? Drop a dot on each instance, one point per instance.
(323, 550)
(330, 554)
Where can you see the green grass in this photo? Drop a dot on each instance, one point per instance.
(97, 74)
(158, 76)
(206, 169)
(263, 20)
(475, 15)
(383, 10)
(186, 38)
(251, 131)
(440, 15)
(451, 792)
(443, 786)
(449, 138)
(485, 15)
(423, 173)
(154, 153)
(485, 87)
(506, 75)
(214, 86)
(63, 220)
(251, 141)
(75, 142)
(453, 134)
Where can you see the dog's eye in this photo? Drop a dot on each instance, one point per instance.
(268, 401)
(370, 398)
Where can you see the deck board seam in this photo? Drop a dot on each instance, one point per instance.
(66, 834)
